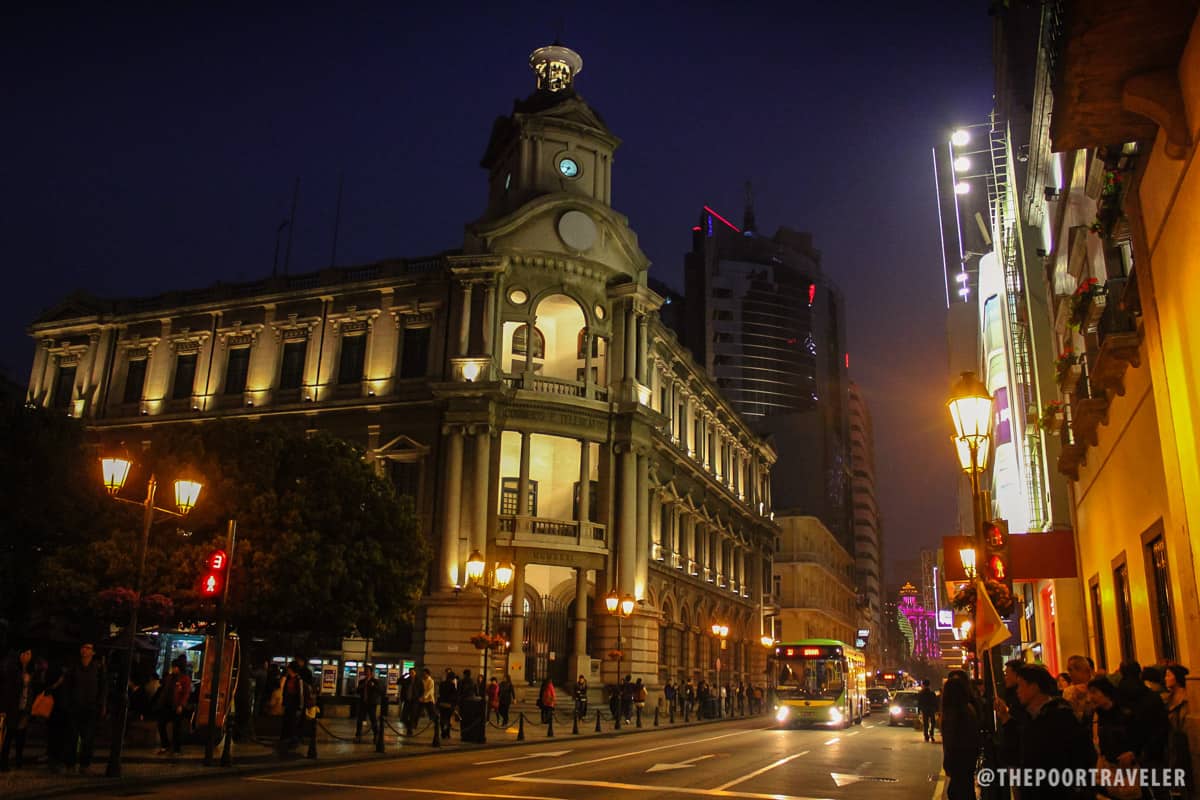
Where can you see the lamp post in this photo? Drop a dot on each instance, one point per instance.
(970, 407)
(621, 608)
(722, 631)
(498, 577)
(115, 470)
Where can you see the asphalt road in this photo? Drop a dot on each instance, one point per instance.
(742, 758)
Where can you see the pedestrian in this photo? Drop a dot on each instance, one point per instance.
(493, 697)
(546, 700)
(689, 698)
(171, 705)
(581, 699)
(428, 697)
(960, 739)
(368, 700)
(627, 693)
(1008, 736)
(447, 701)
(1178, 753)
(468, 688)
(927, 703)
(18, 688)
(292, 696)
(614, 700)
(1079, 668)
(1052, 738)
(507, 695)
(639, 696)
(1125, 734)
(85, 690)
(669, 695)
(1149, 714)
(1152, 678)
(1063, 680)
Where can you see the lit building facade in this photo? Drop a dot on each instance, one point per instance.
(522, 390)
(921, 628)
(813, 583)
(868, 536)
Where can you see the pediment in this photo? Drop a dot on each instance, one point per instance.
(77, 306)
(401, 447)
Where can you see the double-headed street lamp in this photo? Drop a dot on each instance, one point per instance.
(970, 407)
(722, 631)
(498, 577)
(620, 607)
(115, 471)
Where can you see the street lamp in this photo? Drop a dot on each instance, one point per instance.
(723, 631)
(499, 577)
(967, 556)
(620, 607)
(115, 470)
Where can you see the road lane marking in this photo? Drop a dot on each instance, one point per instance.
(940, 787)
(551, 754)
(853, 733)
(758, 772)
(678, 764)
(405, 789)
(661, 790)
(834, 740)
(517, 775)
(841, 779)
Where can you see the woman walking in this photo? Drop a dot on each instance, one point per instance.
(960, 740)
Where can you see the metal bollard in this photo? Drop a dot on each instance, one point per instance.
(521, 728)
(575, 723)
(638, 717)
(597, 720)
(312, 742)
(656, 716)
(550, 725)
(379, 736)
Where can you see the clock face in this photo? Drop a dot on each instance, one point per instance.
(568, 167)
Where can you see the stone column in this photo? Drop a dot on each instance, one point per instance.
(643, 349)
(585, 475)
(719, 557)
(587, 363)
(448, 565)
(581, 662)
(489, 316)
(689, 432)
(464, 322)
(523, 477)
(479, 507)
(643, 526)
(631, 351)
(741, 570)
(627, 551)
(516, 654)
(656, 527)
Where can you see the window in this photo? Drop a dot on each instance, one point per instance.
(354, 353)
(414, 356)
(593, 488)
(579, 349)
(508, 496)
(236, 370)
(776, 586)
(64, 388)
(291, 369)
(406, 477)
(1098, 623)
(1160, 598)
(1124, 611)
(185, 376)
(520, 343)
(135, 381)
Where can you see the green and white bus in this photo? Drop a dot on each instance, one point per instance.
(819, 682)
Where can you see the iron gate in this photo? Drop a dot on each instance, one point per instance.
(545, 635)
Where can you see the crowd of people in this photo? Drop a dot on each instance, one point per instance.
(694, 697)
(1082, 719)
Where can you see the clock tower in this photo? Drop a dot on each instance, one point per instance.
(552, 143)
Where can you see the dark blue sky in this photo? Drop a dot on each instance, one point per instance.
(151, 147)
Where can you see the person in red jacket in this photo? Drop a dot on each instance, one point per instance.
(172, 703)
(546, 700)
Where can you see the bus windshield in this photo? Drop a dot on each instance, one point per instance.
(812, 679)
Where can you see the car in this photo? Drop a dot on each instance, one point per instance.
(903, 710)
(879, 697)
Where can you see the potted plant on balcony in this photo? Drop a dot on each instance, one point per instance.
(615, 655)
(1090, 293)
(1051, 417)
(998, 593)
(481, 640)
(1066, 359)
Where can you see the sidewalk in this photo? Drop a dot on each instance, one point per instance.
(141, 766)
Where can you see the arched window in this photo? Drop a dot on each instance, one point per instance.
(520, 343)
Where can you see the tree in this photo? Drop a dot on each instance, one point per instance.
(324, 543)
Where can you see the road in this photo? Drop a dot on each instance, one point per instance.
(741, 758)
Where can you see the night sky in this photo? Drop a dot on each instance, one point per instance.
(155, 147)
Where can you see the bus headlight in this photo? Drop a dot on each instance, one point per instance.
(896, 711)
(782, 714)
(835, 714)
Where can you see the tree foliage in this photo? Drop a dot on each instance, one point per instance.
(324, 544)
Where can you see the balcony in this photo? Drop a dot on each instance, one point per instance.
(517, 530)
(1089, 408)
(554, 386)
(1119, 342)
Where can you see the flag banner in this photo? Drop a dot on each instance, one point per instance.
(990, 629)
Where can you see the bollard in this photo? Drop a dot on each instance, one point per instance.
(575, 723)
(671, 714)
(656, 716)
(639, 717)
(521, 728)
(312, 743)
(437, 733)
(550, 725)
(379, 736)
(597, 720)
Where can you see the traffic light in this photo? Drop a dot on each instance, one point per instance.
(996, 563)
(212, 580)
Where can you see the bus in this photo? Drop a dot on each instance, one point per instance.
(819, 682)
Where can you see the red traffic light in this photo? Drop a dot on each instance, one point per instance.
(997, 569)
(210, 584)
(216, 560)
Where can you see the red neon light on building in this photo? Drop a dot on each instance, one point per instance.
(812, 292)
(847, 361)
(695, 227)
(727, 222)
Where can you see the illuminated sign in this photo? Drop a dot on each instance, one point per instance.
(810, 651)
(789, 652)
(216, 560)
(945, 618)
(863, 633)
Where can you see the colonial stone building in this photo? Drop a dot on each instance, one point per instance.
(522, 390)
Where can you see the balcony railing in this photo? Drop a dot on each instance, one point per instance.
(555, 386)
(1089, 408)
(1119, 342)
(1072, 452)
(588, 534)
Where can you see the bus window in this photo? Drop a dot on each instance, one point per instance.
(815, 679)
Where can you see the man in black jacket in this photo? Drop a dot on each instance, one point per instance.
(85, 690)
(927, 704)
(1052, 738)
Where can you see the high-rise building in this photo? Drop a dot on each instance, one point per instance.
(868, 536)
(769, 327)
